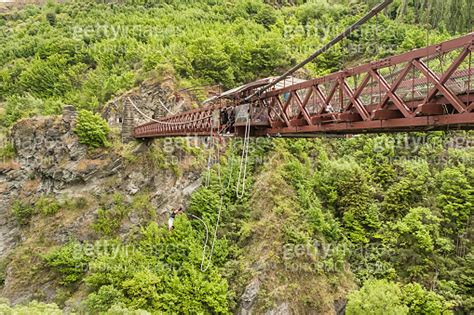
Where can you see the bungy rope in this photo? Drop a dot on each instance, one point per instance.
(211, 148)
(221, 204)
(205, 226)
(240, 191)
(203, 269)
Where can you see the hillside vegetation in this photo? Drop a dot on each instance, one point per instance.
(85, 52)
(380, 222)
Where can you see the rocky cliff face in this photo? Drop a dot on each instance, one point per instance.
(153, 99)
(48, 150)
(50, 161)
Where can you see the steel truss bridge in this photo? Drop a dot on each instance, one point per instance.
(431, 88)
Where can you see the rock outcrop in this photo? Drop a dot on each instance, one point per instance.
(48, 150)
(51, 161)
(150, 100)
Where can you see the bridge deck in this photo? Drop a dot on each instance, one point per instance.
(430, 88)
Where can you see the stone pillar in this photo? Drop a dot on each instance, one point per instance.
(127, 122)
(69, 115)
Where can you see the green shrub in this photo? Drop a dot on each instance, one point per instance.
(143, 207)
(376, 297)
(17, 107)
(70, 261)
(103, 299)
(7, 151)
(22, 212)
(36, 308)
(91, 129)
(47, 206)
(119, 309)
(421, 301)
(414, 183)
(384, 297)
(110, 219)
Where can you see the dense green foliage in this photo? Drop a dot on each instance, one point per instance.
(92, 129)
(454, 15)
(70, 261)
(34, 307)
(22, 212)
(85, 52)
(384, 297)
(377, 297)
(420, 211)
(159, 272)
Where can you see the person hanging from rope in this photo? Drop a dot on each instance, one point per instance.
(173, 213)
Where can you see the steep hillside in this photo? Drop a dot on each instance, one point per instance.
(377, 224)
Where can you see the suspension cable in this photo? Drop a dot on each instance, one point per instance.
(166, 108)
(165, 122)
(325, 48)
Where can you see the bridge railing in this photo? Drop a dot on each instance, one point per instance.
(430, 87)
(434, 80)
(197, 122)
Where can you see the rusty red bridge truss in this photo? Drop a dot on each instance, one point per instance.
(431, 88)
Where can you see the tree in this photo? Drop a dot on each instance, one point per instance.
(344, 186)
(210, 62)
(455, 199)
(410, 189)
(376, 297)
(91, 129)
(419, 244)
(421, 301)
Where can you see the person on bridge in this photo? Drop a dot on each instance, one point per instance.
(173, 214)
